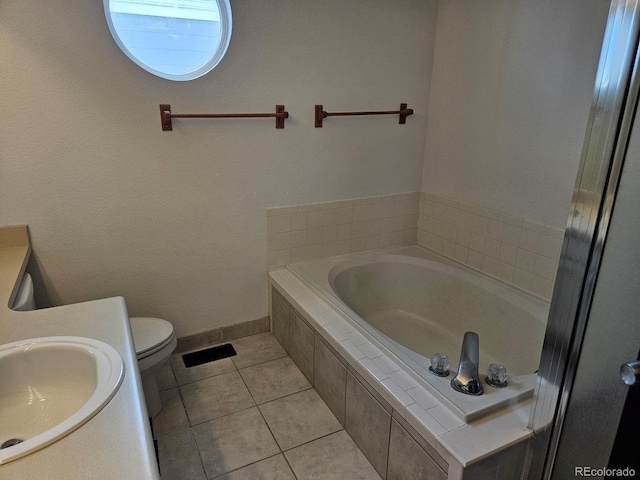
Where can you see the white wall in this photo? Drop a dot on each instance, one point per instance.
(175, 221)
(510, 95)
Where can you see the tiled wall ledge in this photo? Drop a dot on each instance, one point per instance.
(516, 250)
(362, 385)
(315, 230)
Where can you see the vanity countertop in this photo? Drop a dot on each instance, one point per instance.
(116, 443)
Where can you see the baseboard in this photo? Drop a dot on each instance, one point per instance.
(222, 334)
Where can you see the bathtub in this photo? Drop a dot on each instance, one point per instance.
(414, 303)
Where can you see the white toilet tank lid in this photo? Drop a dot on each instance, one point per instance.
(149, 332)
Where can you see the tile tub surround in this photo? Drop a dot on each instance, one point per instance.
(342, 354)
(315, 230)
(516, 250)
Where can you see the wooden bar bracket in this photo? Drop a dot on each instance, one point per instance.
(321, 114)
(166, 116)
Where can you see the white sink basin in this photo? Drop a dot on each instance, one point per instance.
(50, 386)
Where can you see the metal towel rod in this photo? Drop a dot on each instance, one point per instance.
(166, 116)
(404, 112)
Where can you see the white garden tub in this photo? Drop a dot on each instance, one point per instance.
(415, 303)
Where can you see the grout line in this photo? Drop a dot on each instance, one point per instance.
(247, 465)
(221, 416)
(195, 440)
(263, 362)
(324, 436)
(250, 393)
(290, 466)
(386, 473)
(184, 407)
(208, 376)
(285, 396)
(270, 430)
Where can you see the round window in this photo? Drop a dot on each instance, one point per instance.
(173, 39)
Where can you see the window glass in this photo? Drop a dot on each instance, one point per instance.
(174, 39)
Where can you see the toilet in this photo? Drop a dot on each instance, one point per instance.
(153, 339)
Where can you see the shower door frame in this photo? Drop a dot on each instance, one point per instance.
(612, 111)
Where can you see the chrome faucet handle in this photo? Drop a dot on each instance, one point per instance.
(440, 365)
(497, 375)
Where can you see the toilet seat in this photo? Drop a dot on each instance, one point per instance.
(150, 335)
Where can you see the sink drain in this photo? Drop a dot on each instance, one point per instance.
(10, 443)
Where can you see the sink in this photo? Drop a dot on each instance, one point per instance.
(49, 387)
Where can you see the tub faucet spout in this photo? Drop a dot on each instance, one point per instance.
(467, 380)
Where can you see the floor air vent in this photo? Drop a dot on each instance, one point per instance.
(207, 355)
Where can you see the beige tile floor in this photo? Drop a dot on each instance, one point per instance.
(251, 416)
